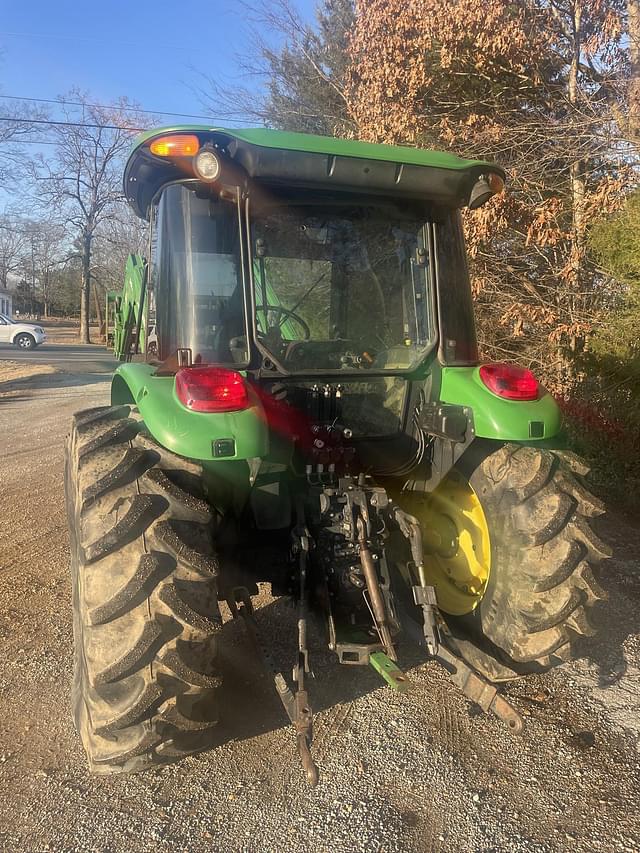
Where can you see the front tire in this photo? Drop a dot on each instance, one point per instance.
(146, 617)
(25, 341)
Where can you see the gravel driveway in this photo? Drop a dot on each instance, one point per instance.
(412, 772)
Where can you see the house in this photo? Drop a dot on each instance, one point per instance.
(6, 302)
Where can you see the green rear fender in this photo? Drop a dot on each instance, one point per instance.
(494, 417)
(193, 434)
(190, 434)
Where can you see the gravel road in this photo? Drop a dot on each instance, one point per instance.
(71, 357)
(413, 772)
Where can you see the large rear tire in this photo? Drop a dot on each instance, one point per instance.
(146, 614)
(535, 594)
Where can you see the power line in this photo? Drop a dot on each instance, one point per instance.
(71, 124)
(96, 40)
(34, 142)
(105, 107)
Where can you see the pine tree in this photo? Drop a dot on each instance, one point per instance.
(302, 68)
(306, 77)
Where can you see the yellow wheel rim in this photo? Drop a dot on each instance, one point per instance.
(457, 547)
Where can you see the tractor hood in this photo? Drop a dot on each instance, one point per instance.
(305, 160)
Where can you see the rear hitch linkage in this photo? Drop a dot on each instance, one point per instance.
(294, 701)
(438, 640)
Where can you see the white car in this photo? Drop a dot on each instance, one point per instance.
(23, 335)
(152, 340)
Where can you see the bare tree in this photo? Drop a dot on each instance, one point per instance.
(117, 237)
(294, 71)
(12, 245)
(82, 181)
(20, 121)
(46, 249)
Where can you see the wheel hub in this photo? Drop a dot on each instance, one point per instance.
(457, 543)
(441, 537)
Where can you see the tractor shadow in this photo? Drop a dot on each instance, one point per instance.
(47, 386)
(616, 619)
(248, 700)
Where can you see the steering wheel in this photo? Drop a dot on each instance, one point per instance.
(283, 314)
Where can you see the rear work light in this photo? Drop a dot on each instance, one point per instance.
(175, 145)
(211, 389)
(510, 381)
(207, 165)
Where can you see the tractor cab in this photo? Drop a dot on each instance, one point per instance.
(294, 255)
(323, 286)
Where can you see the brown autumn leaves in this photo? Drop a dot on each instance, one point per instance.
(539, 86)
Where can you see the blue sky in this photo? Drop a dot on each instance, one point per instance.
(148, 51)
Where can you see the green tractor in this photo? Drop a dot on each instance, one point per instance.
(310, 413)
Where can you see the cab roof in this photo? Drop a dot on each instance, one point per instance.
(308, 160)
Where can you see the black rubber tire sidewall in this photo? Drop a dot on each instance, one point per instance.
(512, 595)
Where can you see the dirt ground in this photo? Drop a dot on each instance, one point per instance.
(14, 373)
(399, 772)
(63, 331)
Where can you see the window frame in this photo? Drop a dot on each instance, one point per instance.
(191, 184)
(270, 361)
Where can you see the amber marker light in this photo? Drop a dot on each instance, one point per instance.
(175, 145)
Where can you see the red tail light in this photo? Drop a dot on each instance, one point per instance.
(211, 389)
(510, 381)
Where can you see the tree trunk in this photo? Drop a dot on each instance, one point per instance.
(573, 296)
(633, 9)
(97, 302)
(85, 293)
(45, 291)
(578, 184)
(579, 230)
